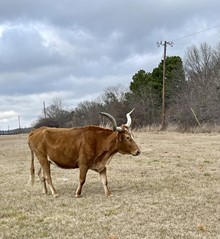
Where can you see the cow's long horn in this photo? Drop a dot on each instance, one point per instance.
(128, 124)
(114, 124)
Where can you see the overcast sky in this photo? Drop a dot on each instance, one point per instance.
(74, 50)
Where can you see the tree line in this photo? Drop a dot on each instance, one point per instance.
(192, 95)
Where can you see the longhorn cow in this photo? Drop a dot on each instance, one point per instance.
(89, 147)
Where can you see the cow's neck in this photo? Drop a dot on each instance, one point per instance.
(105, 155)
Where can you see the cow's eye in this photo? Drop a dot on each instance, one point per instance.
(127, 137)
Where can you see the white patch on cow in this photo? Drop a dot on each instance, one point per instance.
(132, 136)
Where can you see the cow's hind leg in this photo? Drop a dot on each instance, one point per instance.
(82, 178)
(103, 177)
(45, 165)
(43, 180)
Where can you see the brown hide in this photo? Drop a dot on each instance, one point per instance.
(86, 148)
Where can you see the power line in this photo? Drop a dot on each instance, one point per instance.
(195, 33)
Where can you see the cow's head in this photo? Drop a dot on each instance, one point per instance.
(125, 139)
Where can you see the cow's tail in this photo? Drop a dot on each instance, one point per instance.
(32, 169)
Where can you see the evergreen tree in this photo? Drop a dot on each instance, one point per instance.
(146, 89)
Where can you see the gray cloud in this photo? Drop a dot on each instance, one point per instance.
(75, 49)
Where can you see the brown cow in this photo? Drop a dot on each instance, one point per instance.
(89, 147)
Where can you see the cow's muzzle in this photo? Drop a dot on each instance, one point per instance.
(136, 153)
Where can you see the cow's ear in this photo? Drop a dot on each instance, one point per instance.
(120, 136)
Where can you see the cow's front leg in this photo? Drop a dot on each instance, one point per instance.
(103, 177)
(82, 178)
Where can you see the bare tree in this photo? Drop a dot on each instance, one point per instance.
(203, 80)
(56, 116)
(113, 101)
(86, 113)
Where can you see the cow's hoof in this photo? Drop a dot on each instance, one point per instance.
(109, 195)
(55, 195)
(77, 196)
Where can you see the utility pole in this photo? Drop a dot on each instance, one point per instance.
(164, 44)
(19, 121)
(45, 115)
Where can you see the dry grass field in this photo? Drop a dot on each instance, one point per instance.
(172, 190)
